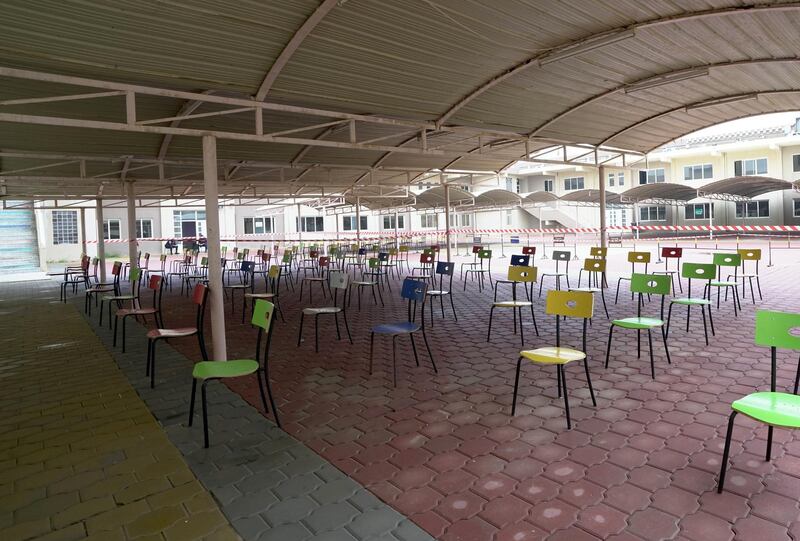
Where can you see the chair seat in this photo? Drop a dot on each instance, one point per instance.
(512, 304)
(554, 274)
(665, 272)
(586, 289)
(689, 301)
(553, 355)
(402, 327)
(638, 322)
(314, 279)
(364, 283)
(118, 297)
(777, 409)
(237, 286)
(259, 295)
(136, 312)
(476, 270)
(99, 290)
(749, 275)
(224, 369)
(724, 284)
(437, 292)
(172, 333)
(322, 310)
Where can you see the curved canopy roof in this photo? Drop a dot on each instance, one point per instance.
(497, 198)
(540, 197)
(659, 192)
(351, 87)
(743, 187)
(434, 198)
(590, 196)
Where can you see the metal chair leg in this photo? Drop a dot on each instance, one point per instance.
(726, 452)
(191, 402)
(491, 316)
(608, 349)
(300, 330)
(205, 413)
(516, 387)
(371, 349)
(566, 394)
(589, 380)
(652, 361)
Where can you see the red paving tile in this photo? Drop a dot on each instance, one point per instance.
(444, 449)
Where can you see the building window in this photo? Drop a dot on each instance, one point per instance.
(548, 185)
(111, 229)
(621, 179)
(699, 211)
(388, 222)
(653, 214)
(349, 223)
(611, 179)
(65, 227)
(796, 203)
(311, 224)
(188, 223)
(466, 220)
(144, 228)
(756, 166)
(573, 183)
(652, 176)
(429, 220)
(796, 163)
(698, 172)
(512, 184)
(509, 215)
(752, 209)
(257, 226)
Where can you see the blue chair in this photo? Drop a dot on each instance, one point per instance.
(414, 291)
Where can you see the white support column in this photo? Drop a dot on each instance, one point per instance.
(358, 221)
(101, 243)
(447, 218)
(217, 306)
(601, 173)
(83, 231)
(131, 204)
(299, 225)
(396, 238)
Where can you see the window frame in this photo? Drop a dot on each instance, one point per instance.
(645, 173)
(612, 177)
(578, 182)
(302, 222)
(743, 167)
(551, 183)
(424, 218)
(743, 209)
(621, 178)
(796, 163)
(709, 206)
(796, 208)
(140, 228)
(107, 229)
(388, 222)
(702, 166)
(64, 229)
(660, 213)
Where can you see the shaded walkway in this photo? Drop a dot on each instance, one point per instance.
(80, 454)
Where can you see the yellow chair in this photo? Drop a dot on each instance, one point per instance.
(562, 304)
(596, 268)
(517, 274)
(634, 258)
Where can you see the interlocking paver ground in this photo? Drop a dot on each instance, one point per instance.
(439, 439)
(81, 456)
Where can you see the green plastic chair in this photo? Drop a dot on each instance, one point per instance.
(696, 271)
(206, 371)
(754, 255)
(733, 261)
(562, 304)
(596, 270)
(517, 274)
(484, 268)
(634, 258)
(644, 284)
(774, 330)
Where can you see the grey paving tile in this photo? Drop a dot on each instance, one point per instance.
(374, 522)
(289, 511)
(331, 517)
(287, 532)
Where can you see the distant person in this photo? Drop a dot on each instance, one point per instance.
(171, 246)
(202, 243)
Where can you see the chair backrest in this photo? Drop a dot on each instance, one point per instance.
(476, 249)
(313, 254)
(265, 257)
(392, 251)
(598, 251)
(163, 258)
(638, 257)
(520, 260)
(373, 262)
(578, 304)
(262, 314)
(247, 267)
(135, 274)
(154, 281)
(413, 290)
(404, 248)
(426, 258)
(287, 257)
(204, 261)
(727, 260)
(519, 273)
(485, 254)
(445, 267)
(199, 294)
(117, 268)
(750, 254)
(338, 279)
(594, 265)
(651, 284)
(362, 251)
(428, 251)
(274, 271)
(778, 329)
(673, 252)
(324, 261)
(529, 250)
(383, 256)
(699, 271)
(561, 255)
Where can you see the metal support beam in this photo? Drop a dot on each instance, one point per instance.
(101, 243)
(214, 254)
(601, 173)
(131, 208)
(447, 219)
(83, 230)
(358, 221)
